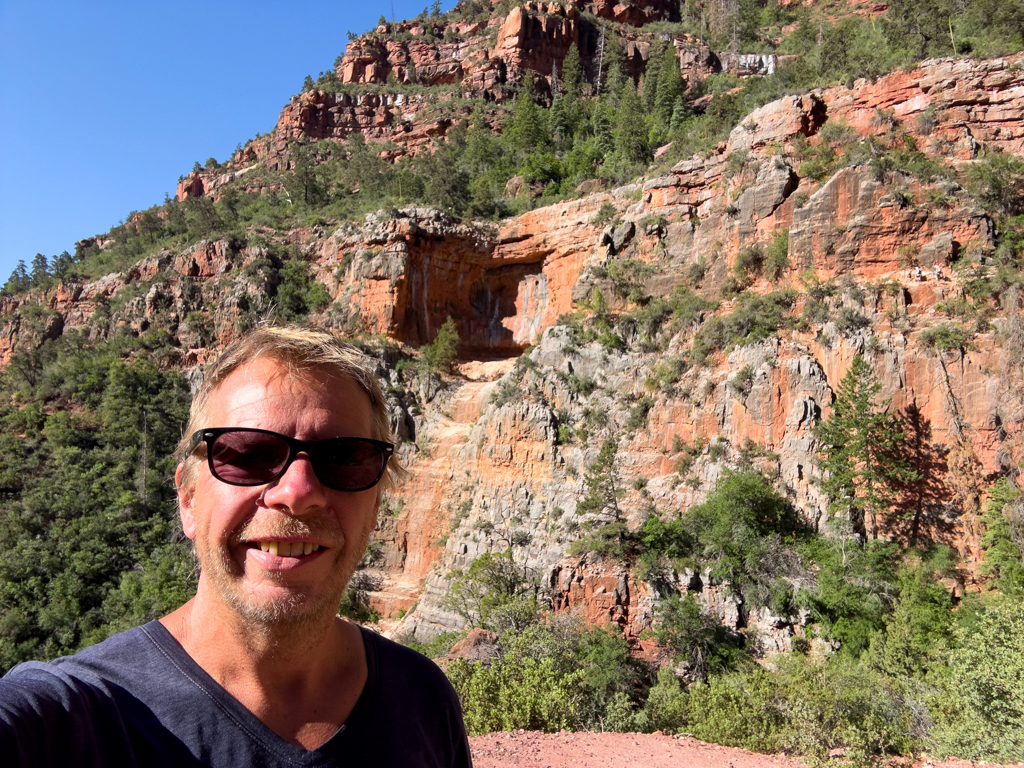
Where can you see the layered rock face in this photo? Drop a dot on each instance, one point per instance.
(478, 60)
(492, 472)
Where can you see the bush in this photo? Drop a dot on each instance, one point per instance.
(555, 674)
(749, 262)
(980, 713)
(443, 352)
(947, 336)
(514, 692)
(743, 534)
(808, 707)
(638, 414)
(776, 259)
(850, 321)
(743, 381)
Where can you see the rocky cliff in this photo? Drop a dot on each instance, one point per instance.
(498, 453)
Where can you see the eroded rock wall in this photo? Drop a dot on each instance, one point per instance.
(488, 474)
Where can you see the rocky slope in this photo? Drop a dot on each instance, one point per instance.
(497, 453)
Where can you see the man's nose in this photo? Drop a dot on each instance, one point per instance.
(298, 490)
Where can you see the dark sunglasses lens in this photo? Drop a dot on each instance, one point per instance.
(348, 464)
(248, 458)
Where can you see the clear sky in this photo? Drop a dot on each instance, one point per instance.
(104, 104)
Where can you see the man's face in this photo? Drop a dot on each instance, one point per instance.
(232, 525)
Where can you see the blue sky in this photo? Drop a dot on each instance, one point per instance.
(104, 104)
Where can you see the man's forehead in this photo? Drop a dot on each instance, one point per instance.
(273, 382)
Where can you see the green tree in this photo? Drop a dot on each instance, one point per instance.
(443, 352)
(572, 73)
(40, 275)
(652, 76)
(997, 180)
(1003, 542)
(861, 452)
(602, 483)
(495, 592)
(87, 507)
(693, 636)
(309, 177)
(526, 131)
(60, 265)
(19, 279)
(670, 85)
(919, 28)
(631, 128)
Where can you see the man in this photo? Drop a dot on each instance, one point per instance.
(281, 471)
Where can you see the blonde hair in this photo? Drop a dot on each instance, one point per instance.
(300, 350)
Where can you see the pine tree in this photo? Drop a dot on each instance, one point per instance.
(602, 482)
(572, 73)
(443, 352)
(651, 77)
(679, 113)
(615, 68)
(19, 279)
(60, 266)
(40, 275)
(860, 452)
(670, 85)
(527, 129)
(631, 128)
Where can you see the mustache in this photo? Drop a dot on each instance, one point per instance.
(278, 526)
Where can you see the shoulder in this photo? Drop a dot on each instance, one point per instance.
(409, 714)
(68, 673)
(398, 668)
(53, 708)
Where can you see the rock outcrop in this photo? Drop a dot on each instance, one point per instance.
(498, 459)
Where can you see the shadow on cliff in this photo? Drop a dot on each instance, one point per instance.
(923, 512)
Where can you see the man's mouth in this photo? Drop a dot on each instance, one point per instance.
(287, 548)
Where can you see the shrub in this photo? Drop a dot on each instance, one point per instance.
(604, 214)
(850, 321)
(1003, 542)
(980, 714)
(514, 692)
(638, 414)
(749, 262)
(776, 259)
(947, 336)
(743, 380)
(554, 674)
(665, 707)
(808, 707)
(443, 352)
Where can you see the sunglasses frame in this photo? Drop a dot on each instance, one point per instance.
(295, 447)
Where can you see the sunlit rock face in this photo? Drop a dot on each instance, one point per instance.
(489, 467)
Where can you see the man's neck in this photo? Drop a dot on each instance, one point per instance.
(302, 681)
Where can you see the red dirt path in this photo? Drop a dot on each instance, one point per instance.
(530, 749)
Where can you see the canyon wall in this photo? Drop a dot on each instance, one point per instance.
(490, 467)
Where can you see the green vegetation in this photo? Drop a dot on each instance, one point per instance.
(87, 506)
(443, 352)
(882, 664)
(862, 452)
(754, 319)
(896, 670)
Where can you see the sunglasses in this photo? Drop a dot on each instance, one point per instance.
(242, 456)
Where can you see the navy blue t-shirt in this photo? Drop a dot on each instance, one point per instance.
(138, 698)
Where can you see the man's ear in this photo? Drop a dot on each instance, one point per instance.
(185, 499)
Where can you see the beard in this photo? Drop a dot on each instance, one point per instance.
(276, 613)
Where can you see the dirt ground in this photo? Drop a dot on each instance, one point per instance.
(531, 749)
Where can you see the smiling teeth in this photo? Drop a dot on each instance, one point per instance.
(289, 548)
